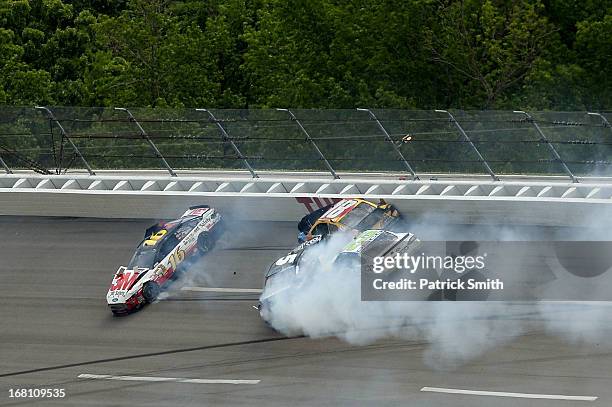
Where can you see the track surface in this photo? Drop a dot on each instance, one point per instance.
(55, 326)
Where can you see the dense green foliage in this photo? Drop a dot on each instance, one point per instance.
(533, 54)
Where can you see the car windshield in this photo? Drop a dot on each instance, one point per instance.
(371, 220)
(357, 215)
(144, 257)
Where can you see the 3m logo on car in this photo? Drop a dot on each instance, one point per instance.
(124, 278)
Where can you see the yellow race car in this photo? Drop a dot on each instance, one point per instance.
(354, 215)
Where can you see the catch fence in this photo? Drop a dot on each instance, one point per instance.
(55, 140)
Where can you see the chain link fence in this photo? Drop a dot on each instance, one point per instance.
(61, 139)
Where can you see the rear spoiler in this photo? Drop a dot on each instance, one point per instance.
(153, 229)
(196, 210)
(199, 206)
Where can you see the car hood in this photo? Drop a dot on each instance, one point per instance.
(125, 283)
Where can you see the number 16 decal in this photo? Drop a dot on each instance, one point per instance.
(176, 258)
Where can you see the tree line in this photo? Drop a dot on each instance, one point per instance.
(470, 54)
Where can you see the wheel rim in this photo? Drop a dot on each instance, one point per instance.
(204, 246)
(150, 292)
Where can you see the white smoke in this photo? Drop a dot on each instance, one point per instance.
(328, 303)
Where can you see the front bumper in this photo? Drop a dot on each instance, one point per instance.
(132, 304)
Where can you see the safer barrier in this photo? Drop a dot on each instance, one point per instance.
(547, 203)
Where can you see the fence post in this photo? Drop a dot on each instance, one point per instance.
(311, 141)
(548, 143)
(226, 137)
(64, 136)
(390, 140)
(145, 136)
(471, 143)
(6, 168)
(33, 165)
(605, 121)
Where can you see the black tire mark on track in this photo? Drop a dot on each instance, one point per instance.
(207, 299)
(146, 355)
(255, 248)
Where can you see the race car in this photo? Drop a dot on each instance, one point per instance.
(354, 215)
(165, 253)
(292, 271)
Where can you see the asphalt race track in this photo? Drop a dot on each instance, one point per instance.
(55, 326)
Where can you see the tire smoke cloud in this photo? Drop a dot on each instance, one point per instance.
(327, 302)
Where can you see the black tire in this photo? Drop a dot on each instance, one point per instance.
(150, 291)
(205, 242)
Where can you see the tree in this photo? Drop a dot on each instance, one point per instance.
(490, 47)
(594, 48)
(339, 54)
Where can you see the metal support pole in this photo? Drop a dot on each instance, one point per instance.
(390, 140)
(33, 165)
(549, 144)
(226, 137)
(145, 136)
(311, 141)
(470, 142)
(65, 136)
(6, 168)
(605, 121)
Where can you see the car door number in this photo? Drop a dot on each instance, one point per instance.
(287, 259)
(339, 210)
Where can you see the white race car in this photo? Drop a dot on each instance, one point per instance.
(162, 256)
(289, 273)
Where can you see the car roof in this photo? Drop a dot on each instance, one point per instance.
(331, 217)
(362, 240)
(199, 210)
(369, 237)
(167, 228)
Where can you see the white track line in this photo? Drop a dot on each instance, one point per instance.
(506, 394)
(223, 290)
(165, 379)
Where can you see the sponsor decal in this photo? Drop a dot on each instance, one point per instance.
(124, 280)
(287, 259)
(340, 209)
(362, 240)
(315, 239)
(312, 204)
(195, 212)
